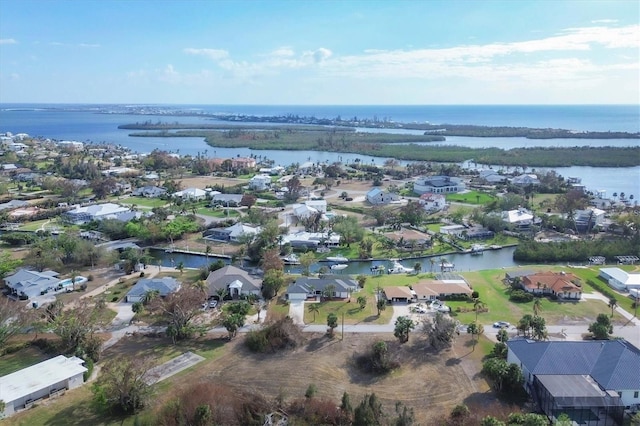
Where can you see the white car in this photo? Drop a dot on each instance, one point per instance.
(501, 324)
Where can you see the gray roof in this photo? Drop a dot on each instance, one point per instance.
(227, 197)
(519, 273)
(223, 277)
(304, 284)
(164, 286)
(614, 364)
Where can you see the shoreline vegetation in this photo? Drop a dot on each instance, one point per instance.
(387, 145)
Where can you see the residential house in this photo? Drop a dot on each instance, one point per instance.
(433, 202)
(591, 381)
(525, 180)
(426, 290)
(520, 218)
(380, 197)
(589, 219)
(559, 284)
(164, 287)
(260, 182)
(398, 294)
(86, 214)
(306, 168)
(455, 230)
(478, 233)
(619, 279)
(227, 200)
(71, 145)
(26, 283)
(311, 240)
(149, 191)
(233, 233)
(236, 282)
(13, 204)
(243, 163)
(194, 194)
(438, 185)
(305, 287)
(310, 208)
(47, 379)
(492, 177)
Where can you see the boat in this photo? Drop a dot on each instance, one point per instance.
(477, 249)
(339, 259)
(495, 247)
(447, 267)
(397, 268)
(291, 259)
(339, 267)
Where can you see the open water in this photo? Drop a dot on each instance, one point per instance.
(61, 123)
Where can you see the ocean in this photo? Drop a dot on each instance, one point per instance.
(82, 123)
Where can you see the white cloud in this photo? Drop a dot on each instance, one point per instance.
(604, 21)
(214, 54)
(284, 51)
(8, 41)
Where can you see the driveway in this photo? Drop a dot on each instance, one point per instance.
(296, 311)
(124, 316)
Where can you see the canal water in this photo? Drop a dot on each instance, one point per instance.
(490, 259)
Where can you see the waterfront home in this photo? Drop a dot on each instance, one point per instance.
(234, 233)
(309, 208)
(311, 240)
(426, 290)
(233, 281)
(520, 218)
(562, 285)
(438, 185)
(163, 286)
(331, 286)
(379, 197)
(588, 219)
(590, 381)
(525, 180)
(149, 191)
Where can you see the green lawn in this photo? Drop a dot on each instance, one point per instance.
(351, 310)
(25, 357)
(219, 213)
(143, 202)
(472, 197)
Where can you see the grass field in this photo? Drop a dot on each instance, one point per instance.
(145, 202)
(351, 311)
(25, 357)
(219, 213)
(471, 197)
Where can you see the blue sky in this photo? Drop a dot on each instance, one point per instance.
(320, 52)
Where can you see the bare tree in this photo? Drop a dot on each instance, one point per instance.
(13, 318)
(440, 331)
(181, 308)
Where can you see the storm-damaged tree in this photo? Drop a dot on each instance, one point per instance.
(181, 308)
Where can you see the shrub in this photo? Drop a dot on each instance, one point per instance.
(278, 335)
(520, 296)
(87, 374)
(114, 299)
(377, 360)
(141, 274)
(90, 277)
(475, 295)
(311, 391)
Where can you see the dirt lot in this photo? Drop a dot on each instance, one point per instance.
(202, 181)
(430, 383)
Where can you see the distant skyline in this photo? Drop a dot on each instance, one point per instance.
(320, 52)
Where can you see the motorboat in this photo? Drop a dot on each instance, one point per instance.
(291, 259)
(339, 267)
(338, 259)
(477, 249)
(397, 268)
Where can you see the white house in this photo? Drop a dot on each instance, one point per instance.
(520, 217)
(309, 208)
(260, 182)
(378, 196)
(82, 215)
(433, 202)
(50, 378)
(438, 185)
(73, 145)
(456, 230)
(619, 279)
(191, 194)
(31, 283)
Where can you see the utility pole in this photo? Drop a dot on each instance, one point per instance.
(342, 326)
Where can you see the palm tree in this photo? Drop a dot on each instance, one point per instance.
(417, 267)
(201, 285)
(149, 296)
(207, 252)
(477, 305)
(432, 261)
(221, 293)
(180, 267)
(537, 307)
(613, 303)
(314, 308)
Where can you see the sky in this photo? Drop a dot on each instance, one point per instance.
(320, 52)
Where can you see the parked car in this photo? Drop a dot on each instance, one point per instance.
(501, 324)
(213, 303)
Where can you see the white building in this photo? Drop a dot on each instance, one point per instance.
(260, 182)
(456, 230)
(309, 208)
(438, 185)
(50, 378)
(520, 217)
(73, 145)
(82, 215)
(619, 279)
(589, 218)
(378, 197)
(433, 202)
(525, 180)
(191, 194)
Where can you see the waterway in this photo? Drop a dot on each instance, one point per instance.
(490, 259)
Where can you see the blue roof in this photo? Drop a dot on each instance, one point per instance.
(614, 364)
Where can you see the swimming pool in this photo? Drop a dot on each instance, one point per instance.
(67, 282)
